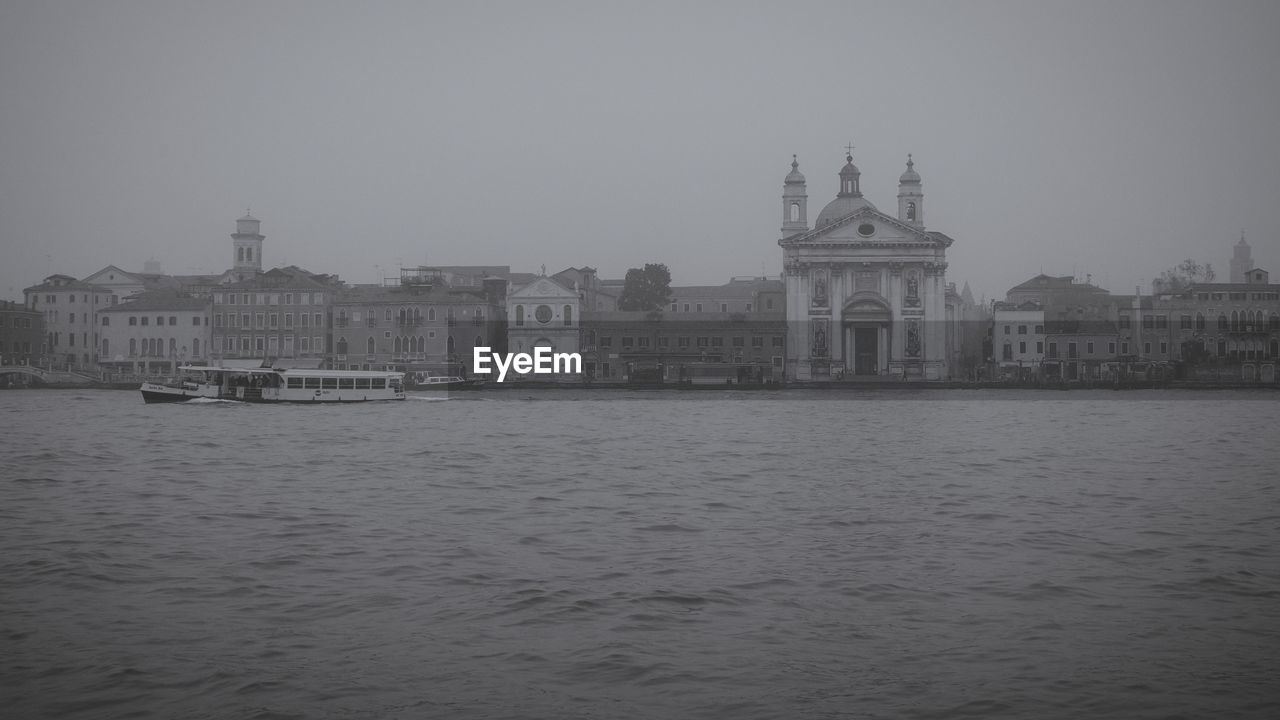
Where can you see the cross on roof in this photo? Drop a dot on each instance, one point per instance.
(849, 148)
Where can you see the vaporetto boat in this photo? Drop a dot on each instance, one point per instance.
(274, 385)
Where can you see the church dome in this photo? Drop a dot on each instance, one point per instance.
(910, 177)
(840, 207)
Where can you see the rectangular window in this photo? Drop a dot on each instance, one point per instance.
(1053, 350)
(1111, 348)
(133, 320)
(724, 307)
(231, 299)
(686, 307)
(304, 344)
(311, 383)
(1071, 350)
(275, 320)
(329, 383)
(627, 341)
(1162, 321)
(258, 344)
(703, 341)
(683, 341)
(699, 307)
(195, 321)
(717, 341)
(739, 341)
(1022, 329)
(244, 344)
(145, 319)
(606, 341)
(346, 383)
(1006, 329)
(757, 342)
(1124, 322)
(674, 306)
(1039, 348)
(378, 383)
(644, 342)
(304, 319)
(295, 383)
(1022, 347)
(1164, 348)
(318, 320)
(244, 298)
(288, 321)
(748, 307)
(1146, 348)
(1124, 348)
(777, 341)
(304, 298)
(1148, 321)
(244, 320)
(1088, 347)
(217, 298)
(288, 346)
(259, 320)
(362, 383)
(1184, 322)
(664, 342)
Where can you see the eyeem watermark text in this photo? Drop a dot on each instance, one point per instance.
(541, 362)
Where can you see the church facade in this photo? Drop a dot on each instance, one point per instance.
(866, 290)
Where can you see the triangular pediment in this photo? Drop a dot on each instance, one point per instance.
(543, 288)
(112, 275)
(867, 225)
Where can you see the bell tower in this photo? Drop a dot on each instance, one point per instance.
(794, 202)
(911, 196)
(247, 247)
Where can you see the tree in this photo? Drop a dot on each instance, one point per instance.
(1185, 274)
(647, 289)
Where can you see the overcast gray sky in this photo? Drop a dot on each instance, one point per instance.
(1112, 138)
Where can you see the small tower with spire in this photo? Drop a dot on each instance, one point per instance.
(850, 176)
(911, 196)
(247, 244)
(794, 202)
(1241, 260)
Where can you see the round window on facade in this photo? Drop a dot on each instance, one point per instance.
(543, 314)
(866, 229)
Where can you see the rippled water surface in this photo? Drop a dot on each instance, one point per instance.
(657, 555)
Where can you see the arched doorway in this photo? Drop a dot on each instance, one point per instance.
(865, 339)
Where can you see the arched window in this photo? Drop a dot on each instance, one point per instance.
(133, 347)
(395, 345)
(1235, 321)
(449, 345)
(239, 254)
(422, 344)
(173, 347)
(105, 353)
(519, 315)
(568, 315)
(479, 342)
(248, 254)
(1274, 323)
(342, 346)
(431, 314)
(1199, 321)
(369, 346)
(1275, 347)
(1222, 322)
(911, 211)
(795, 212)
(195, 347)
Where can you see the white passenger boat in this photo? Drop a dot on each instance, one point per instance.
(273, 385)
(193, 381)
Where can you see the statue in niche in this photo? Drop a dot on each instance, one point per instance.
(820, 290)
(819, 341)
(913, 289)
(913, 339)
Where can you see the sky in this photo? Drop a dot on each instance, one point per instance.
(1104, 140)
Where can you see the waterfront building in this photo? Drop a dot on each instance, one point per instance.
(1018, 338)
(865, 290)
(68, 307)
(21, 334)
(1226, 325)
(543, 313)
(154, 332)
(740, 295)
(593, 292)
(659, 346)
(1086, 351)
(421, 322)
(280, 313)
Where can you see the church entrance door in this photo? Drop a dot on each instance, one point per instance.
(865, 351)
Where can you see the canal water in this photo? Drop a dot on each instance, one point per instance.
(613, 554)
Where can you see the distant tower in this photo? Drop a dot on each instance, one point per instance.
(248, 247)
(1241, 260)
(911, 196)
(794, 202)
(850, 178)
